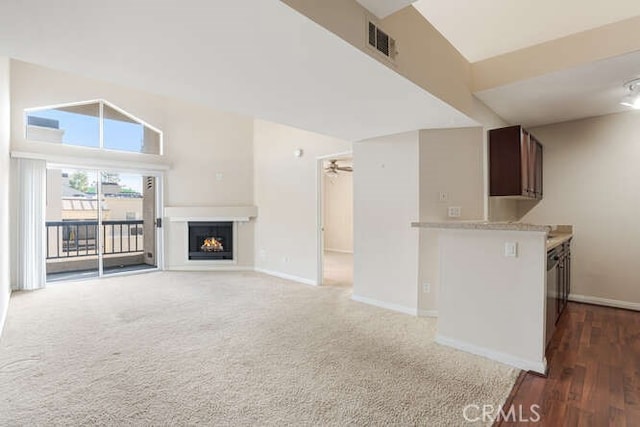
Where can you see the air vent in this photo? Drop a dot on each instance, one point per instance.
(381, 41)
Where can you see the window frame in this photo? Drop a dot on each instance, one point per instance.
(101, 103)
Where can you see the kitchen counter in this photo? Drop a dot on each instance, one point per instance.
(556, 235)
(492, 290)
(556, 239)
(483, 225)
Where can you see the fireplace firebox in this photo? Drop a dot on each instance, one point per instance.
(210, 240)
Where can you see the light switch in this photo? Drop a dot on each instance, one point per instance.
(454, 211)
(443, 196)
(511, 249)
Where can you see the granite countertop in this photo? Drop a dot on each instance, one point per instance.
(484, 225)
(556, 235)
(559, 235)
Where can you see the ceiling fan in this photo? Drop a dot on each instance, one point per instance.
(332, 168)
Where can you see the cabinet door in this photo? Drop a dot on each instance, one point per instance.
(567, 275)
(559, 288)
(537, 167)
(505, 156)
(525, 165)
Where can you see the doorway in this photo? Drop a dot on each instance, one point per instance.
(336, 195)
(99, 223)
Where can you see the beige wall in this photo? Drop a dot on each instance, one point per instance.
(199, 142)
(202, 142)
(425, 56)
(338, 212)
(386, 201)
(451, 161)
(116, 208)
(430, 60)
(491, 304)
(286, 193)
(592, 181)
(5, 105)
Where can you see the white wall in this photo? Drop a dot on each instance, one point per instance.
(386, 201)
(451, 161)
(592, 181)
(5, 122)
(286, 233)
(338, 212)
(199, 142)
(490, 304)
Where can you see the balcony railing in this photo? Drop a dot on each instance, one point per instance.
(72, 239)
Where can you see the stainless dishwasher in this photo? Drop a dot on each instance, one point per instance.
(552, 293)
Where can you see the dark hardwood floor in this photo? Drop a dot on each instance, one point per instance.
(594, 373)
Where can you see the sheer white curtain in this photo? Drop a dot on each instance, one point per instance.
(30, 224)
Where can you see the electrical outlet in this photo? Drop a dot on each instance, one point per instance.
(219, 176)
(443, 196)
(454, 211)
(426, 288)
(285, 259)
(511, 249)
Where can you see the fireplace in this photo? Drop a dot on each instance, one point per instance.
(210, 240)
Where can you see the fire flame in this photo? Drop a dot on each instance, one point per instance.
(211, 244)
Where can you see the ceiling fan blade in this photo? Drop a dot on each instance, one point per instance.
(345, 168)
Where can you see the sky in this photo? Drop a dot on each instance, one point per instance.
(84, 130)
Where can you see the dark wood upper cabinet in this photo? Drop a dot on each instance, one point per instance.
(515, 163)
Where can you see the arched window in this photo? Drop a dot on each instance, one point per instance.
(94, 124)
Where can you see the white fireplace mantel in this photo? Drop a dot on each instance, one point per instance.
(210, 213)
(177, 219)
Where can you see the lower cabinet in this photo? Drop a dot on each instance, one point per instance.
(558, 285)
(564, 277)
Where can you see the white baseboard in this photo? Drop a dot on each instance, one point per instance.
(207, 268)
(3, 313)
(286, 276)
(507, 359)
(605, 301)
(341, 251)
(428, 313)
(382, 304)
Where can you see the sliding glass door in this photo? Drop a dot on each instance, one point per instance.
(128, 222)
(72, 247)
(100, 222)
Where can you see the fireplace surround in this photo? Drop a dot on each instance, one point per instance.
(210, 240)
(177, 246)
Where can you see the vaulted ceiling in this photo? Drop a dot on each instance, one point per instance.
(543, 61)
(487, 28)
(262, 59)
(556, 60)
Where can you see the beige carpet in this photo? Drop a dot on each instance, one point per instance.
(228, 349)
(338, 269)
